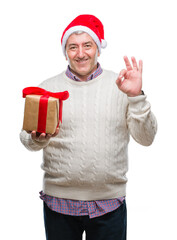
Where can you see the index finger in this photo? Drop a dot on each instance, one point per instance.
(127, 63)
(33, 135)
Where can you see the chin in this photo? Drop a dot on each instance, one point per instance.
(83, 72)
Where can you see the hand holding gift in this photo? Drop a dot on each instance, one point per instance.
(41, 137)
(43, 112)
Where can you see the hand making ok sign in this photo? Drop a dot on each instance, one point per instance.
(129, 80)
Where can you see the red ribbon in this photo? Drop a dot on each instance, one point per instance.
(43, 104)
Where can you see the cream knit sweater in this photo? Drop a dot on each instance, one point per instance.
(88, 159)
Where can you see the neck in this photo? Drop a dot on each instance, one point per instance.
(83, 77)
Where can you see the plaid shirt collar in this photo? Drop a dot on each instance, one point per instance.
(95, 74)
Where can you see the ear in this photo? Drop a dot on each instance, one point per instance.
(66, 55)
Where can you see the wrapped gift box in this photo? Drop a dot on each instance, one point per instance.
(43, 112)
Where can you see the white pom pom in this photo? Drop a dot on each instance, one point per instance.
(103, 43)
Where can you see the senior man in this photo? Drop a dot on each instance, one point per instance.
(85, 161)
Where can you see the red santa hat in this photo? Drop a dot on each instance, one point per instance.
(89, 24)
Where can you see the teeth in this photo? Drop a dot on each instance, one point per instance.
(82, 60)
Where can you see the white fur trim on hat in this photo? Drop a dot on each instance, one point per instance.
(80, 28)
(103, 43)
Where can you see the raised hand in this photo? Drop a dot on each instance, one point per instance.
(129, 80)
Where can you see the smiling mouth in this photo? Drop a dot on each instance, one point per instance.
(81, 60)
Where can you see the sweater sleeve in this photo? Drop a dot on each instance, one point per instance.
(31, 144)
(141, 121)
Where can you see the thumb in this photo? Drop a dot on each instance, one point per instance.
(56, 132)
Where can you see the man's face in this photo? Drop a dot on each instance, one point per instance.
(82, 52)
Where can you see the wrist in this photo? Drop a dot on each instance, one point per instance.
(140, 93)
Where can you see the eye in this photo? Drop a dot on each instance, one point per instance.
(88, 45)
(72, 47)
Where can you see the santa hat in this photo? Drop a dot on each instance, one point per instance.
(89, 24)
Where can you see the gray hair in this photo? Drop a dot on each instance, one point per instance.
(79, 32)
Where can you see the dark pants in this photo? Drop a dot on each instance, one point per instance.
(111, 226)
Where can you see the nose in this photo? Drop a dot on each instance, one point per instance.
(80, 52)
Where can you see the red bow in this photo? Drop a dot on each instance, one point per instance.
(40, 91)
(43, 104)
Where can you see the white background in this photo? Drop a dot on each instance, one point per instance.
(30, 52)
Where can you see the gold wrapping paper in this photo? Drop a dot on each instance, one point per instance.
(30, 121)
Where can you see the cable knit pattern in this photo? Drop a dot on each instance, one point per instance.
(88, 159)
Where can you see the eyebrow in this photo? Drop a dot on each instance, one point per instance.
(89, 42)
(75, 44)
